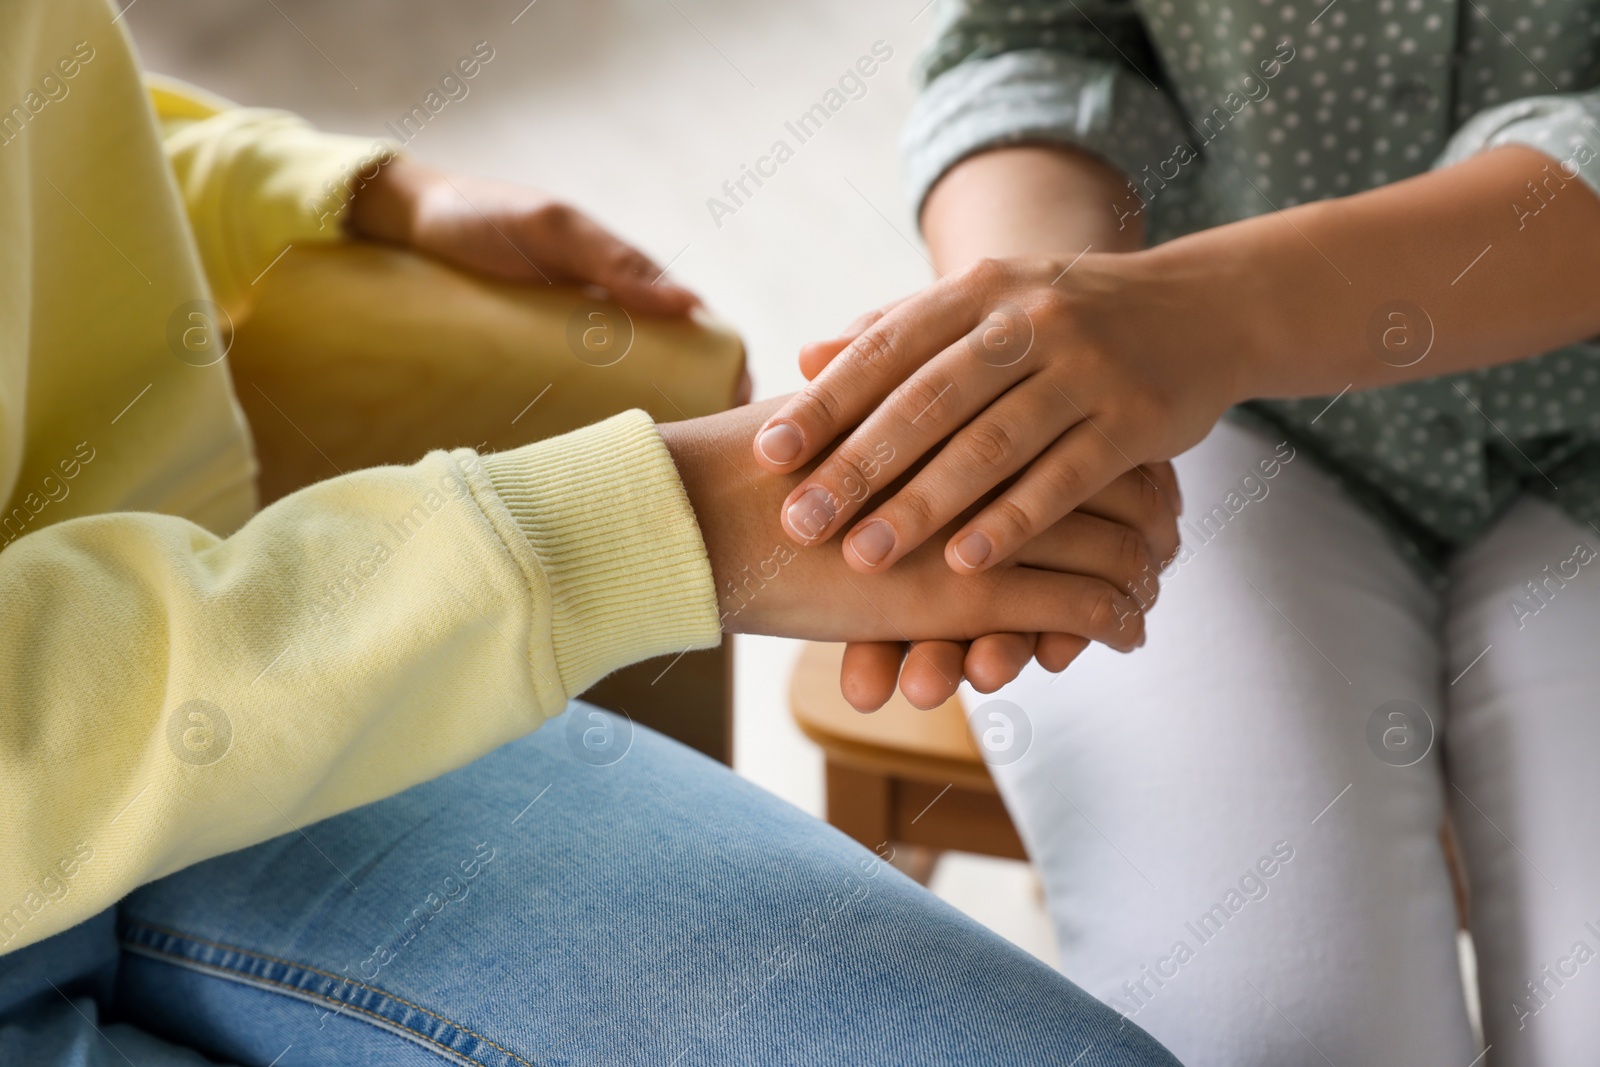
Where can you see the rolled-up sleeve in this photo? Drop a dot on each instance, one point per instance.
(1565, 126)
(1079, 72)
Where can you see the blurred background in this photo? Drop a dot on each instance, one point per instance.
(639, 111)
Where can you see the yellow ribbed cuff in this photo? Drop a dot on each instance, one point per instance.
(615, 542)
(320, 174)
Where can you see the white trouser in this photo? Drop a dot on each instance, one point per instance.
(1234, 854)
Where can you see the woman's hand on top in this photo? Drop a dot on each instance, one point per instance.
(1060, 373)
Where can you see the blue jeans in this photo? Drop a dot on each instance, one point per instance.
(547, 906)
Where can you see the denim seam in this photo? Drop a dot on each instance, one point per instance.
(271, 985)
(311, 993)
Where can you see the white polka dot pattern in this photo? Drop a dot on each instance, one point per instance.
(1219, 110)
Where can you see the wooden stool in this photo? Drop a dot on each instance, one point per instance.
(909, 779)
(914, 780)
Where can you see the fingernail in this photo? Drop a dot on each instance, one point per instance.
(812, 513)
(973, 549)
(873, 542)
(780, 442)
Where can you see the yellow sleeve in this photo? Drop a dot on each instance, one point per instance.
(171, 695)
(255, 181)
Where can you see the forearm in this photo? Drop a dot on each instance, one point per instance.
(171, 695)
(1031, 200)
(1351, 292)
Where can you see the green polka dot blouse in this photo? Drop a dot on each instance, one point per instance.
(1218, 110)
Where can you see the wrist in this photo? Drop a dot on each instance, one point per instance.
(711, 498)
(736, 505)
(386, 208)
(624, 581)
(1218, 298)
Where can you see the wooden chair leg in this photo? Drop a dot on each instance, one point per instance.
(859, 803)
(916, 862)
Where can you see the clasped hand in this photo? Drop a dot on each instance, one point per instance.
(1015, 398)
(1088, 576)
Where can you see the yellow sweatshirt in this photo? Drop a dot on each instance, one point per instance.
(179, 679)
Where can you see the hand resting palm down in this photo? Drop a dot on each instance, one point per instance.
(1087, 577)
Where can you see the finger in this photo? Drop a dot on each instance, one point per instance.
(662, 298)
(635, 282)
(818, 354)
(932, 672)
(1081, 463)
(1056, 651)
(1027, 600)
(586, 251)
(868, 673)
(1137, 499)
(858, 324)
(814, 355)
(1166, 477)
(858, 379)
(995, 440)
(995, 659)
(1136, 493)
(1098, 548)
